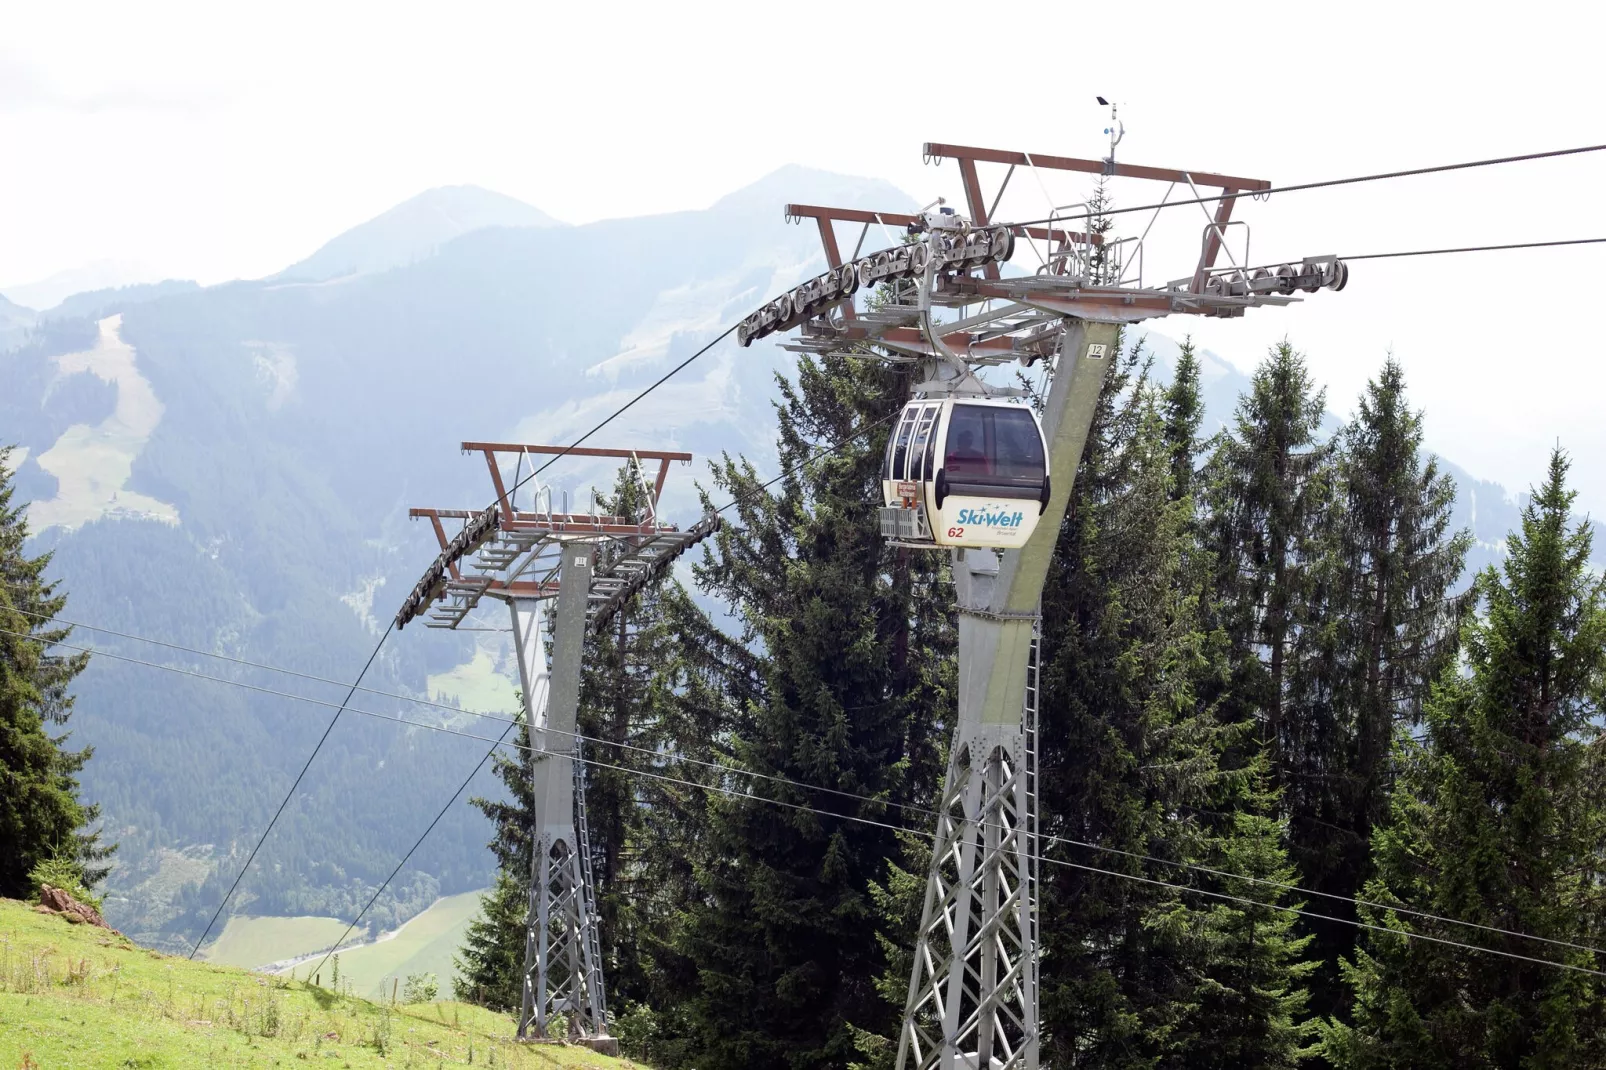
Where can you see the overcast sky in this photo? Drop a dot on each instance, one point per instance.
(218, 141)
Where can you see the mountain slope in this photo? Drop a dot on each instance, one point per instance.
(415, 229)
(15, 321)
(81, 996)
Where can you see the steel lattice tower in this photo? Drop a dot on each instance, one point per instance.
(528, 558)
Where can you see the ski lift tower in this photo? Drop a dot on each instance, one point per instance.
(949, 308)
(590, 564)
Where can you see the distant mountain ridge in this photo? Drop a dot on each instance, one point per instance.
(47, 293)
(413, 231)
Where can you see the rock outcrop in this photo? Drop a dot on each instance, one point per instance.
(56, 901)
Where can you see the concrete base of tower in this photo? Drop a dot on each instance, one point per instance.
(603, 1045)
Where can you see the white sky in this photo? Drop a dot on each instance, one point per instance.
(216, 141)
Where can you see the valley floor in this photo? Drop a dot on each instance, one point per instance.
(76, 996)
(294, 946)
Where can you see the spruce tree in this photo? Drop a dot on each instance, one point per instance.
(1140, 967)
(490, 965)
(1270, 529)
(1388, 628)
(1183, 409)
(1268, 498)
(1496, 820)
(703, 681)
(42, 818)
(844, 686)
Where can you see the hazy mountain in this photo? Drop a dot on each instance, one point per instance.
(415, 229)
(97, 275)
(15, 322)
(230, 469)
(94, 303)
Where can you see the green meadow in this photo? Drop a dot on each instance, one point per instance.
(76, 996)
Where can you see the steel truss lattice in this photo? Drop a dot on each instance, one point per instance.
(973, 992)
(562, 952)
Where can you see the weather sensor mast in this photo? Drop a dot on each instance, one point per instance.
(971, 469)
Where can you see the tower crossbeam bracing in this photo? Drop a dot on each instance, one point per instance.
(562, 574)
(946, 298)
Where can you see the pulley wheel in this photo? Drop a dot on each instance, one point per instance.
(1003, 244)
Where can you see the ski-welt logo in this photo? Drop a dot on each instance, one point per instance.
(990, 518)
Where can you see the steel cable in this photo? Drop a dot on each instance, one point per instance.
(238, 877)
(1326, 183)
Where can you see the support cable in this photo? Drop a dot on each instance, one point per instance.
(416, 844)
(1107, 872)
(720, 337)
(1298, 187)
(1479, 248)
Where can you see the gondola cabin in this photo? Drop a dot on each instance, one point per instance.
(964, 472)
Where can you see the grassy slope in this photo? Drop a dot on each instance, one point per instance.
(476, 685)
(76, 996)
